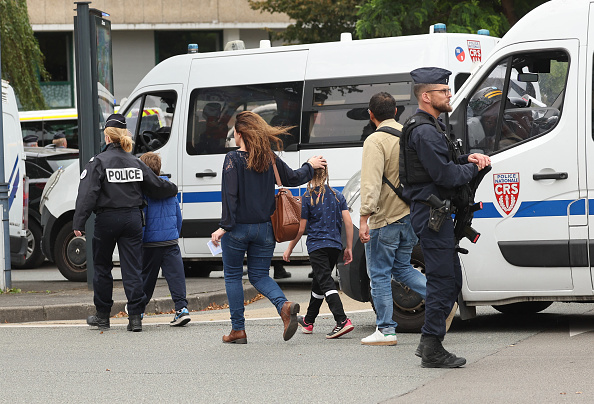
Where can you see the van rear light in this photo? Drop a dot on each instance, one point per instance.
(25, 202)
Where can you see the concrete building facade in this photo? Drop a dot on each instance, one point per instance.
(143, 34)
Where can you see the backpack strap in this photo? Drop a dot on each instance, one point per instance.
(385, 180)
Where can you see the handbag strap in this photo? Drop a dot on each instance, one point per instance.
(278, 181)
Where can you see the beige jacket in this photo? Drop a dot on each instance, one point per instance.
(380, 157)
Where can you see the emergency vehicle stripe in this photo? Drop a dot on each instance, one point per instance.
(215, 196)
(15, 183)
(537, 209)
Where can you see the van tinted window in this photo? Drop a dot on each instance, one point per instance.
(337, 113)
(533, 104)
(213, 111)
(152, 129)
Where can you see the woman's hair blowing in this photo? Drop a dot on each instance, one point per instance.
(121, 136)
(259, 138)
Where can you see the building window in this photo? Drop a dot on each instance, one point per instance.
(171, 43)
(57, 50)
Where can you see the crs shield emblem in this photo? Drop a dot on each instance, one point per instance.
(507, 189)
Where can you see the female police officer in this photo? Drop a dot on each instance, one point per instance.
(112, 185)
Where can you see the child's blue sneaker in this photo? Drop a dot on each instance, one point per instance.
(182, 317)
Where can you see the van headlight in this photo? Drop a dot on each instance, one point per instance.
(49, 186)
(352, 189)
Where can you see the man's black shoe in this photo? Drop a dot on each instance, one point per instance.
(435, 356)
(282, 274)
(99, 320)
(135, 322)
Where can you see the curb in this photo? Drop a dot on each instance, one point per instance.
(80, 311)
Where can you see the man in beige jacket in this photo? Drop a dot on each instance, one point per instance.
(385, 227)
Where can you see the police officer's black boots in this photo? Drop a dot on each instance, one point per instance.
(99, 320)
(135, 322)
(435, 356)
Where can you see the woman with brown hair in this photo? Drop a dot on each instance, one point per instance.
(245, 226)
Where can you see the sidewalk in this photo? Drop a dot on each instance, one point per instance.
(54, 299)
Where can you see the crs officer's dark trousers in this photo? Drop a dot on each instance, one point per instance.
(124, 228)
(442, 269)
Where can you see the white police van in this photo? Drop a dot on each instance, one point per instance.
(321, 89)
(14, 171)
(536, 243)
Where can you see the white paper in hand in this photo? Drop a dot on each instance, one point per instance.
(214, 250)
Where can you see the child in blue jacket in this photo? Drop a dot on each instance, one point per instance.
(160, 249)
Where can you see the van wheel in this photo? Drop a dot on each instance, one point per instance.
(34, 257)
(70, 253)
(409, 306)
(198, 269)
(522, 308)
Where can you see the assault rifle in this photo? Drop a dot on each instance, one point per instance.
(465, 208)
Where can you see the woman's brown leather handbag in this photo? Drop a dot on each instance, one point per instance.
(286, 217)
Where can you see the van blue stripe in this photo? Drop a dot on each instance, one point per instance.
(215, 196)
(15, 180)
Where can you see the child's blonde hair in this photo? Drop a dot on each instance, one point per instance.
(319, 182)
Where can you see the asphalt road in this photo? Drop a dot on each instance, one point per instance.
(543, 358)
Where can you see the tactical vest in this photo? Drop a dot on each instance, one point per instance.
(411, 169)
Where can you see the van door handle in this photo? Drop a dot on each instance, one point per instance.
(550, 176)
(206, 174)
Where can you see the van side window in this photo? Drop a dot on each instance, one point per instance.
(151, 130)
(337, 112)
(213, 111)
(533, 94)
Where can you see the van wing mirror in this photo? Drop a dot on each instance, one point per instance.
(528, 77)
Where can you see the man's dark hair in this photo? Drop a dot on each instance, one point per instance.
(383, 106)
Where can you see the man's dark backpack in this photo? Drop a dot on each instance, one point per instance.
(397, 191)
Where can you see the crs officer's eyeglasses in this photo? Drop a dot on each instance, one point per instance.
(445, 91)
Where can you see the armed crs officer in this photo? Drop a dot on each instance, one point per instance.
(431, 168)
(112, 185)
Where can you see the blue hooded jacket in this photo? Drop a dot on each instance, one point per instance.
(163, 219)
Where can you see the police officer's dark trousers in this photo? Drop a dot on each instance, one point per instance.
(122, 227)
(442, 269)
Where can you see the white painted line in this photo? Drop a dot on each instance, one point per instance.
(146, 322)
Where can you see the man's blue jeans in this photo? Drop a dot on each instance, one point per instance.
(258, 241)
(388, 256)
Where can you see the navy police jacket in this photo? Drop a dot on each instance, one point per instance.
(115, 179)
(432, 148)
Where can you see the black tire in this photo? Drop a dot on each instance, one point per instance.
(200, 269)
(70, 254)
(522, 308)
(409, 306)
(34, 257)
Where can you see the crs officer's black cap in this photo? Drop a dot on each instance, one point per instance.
(59, 135)
(116, 121)
(430, 75)
(30, 139)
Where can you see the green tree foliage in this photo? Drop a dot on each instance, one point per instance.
(379, 18)
(22, 61)
(315, 20)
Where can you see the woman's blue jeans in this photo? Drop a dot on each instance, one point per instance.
(388, 256)
(257, 240)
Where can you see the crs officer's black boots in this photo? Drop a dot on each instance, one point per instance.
(99, 320)
(135, 322)
(434, 354)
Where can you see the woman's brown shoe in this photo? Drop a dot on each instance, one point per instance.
(289, 315)
(235, 337)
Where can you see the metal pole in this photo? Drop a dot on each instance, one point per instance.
(86, 108)
(5, 281)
